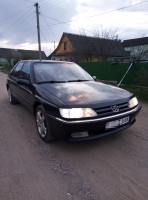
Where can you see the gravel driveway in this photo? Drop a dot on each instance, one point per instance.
(111, 168)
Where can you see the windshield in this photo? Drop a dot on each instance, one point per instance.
(59, 72)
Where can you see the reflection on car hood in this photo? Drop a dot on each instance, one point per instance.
(90, 92)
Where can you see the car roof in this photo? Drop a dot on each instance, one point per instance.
(47, 61)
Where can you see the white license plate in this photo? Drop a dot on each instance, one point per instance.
(116, 123)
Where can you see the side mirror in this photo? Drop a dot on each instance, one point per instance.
(23, 82)
(95, 78)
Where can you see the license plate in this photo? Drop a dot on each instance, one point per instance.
(116, 123)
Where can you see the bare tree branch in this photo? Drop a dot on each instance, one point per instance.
(106, 41)
(101, 46)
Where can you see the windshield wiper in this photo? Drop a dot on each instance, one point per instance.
(78, 80)
(42, 82)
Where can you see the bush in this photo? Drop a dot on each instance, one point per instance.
(142, 78)
(140, 92)
(6, 69)
(27, 57)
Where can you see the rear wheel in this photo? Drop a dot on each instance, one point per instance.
(42, 124)
(11, 98)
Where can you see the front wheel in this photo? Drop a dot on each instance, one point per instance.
(42, 124)
(11, 98)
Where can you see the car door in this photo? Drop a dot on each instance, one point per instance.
(25, 90)
(13, 78)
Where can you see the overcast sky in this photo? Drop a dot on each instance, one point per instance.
(18, 20)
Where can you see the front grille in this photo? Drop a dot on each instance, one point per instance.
(107, 111)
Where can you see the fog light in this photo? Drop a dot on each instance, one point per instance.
(79, 134)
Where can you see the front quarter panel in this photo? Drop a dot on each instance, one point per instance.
(50, 102)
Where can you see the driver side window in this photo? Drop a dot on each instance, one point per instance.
(17, 70)
(25, 72)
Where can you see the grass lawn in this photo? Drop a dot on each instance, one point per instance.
(140, 92)
(5, 69)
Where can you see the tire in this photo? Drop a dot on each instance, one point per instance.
(42, 125)
(11, 98)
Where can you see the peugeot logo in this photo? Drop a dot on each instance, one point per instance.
(115, 108)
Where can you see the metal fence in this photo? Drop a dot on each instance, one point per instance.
(114, 71)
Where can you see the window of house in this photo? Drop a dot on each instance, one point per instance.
(65, 46)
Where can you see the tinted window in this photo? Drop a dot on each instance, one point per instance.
(25, 73)
(17, 69)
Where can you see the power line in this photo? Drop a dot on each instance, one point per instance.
(49, 27)
(20, 25)
(16, 21)
(14, 14)
(29, 1)
(23, 22)
(43, 36)
(116, 9)
(20, 30)
(48, 3)
(53, 5)
(60, 22)
(99, 13)
(44, 0)
(42, 3)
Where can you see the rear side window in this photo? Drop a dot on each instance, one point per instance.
(25, 72)
(17, 70)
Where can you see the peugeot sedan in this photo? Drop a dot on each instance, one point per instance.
(68, 103)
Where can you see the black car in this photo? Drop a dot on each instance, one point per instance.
(68, 103)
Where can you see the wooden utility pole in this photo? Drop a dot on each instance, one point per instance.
(38, 29)
(54, 44)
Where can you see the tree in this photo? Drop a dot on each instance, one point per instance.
(105, 43)
(27, 57)
(101, 46)
(9, 60)
(141, 54)
(142, 78)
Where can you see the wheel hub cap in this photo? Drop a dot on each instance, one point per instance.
(41, 125)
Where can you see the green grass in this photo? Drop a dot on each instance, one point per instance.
(5, 69)
(140, 92)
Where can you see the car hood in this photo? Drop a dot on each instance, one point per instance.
(82, 93)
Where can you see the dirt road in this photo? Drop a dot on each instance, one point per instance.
(111, 168)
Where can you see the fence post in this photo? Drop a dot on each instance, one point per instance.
(125, 73)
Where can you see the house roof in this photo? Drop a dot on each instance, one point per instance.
(135, 42)
(79, 41)
(20, 53)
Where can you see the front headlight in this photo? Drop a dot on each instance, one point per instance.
(77, 112)
(133, 102)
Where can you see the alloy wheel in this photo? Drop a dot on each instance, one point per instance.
(41, 124)
(9, 95)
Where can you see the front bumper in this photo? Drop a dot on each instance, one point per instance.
(62, 128)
